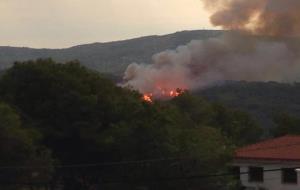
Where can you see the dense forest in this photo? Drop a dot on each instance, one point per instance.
(64, 126)
(109, 57)
(265, 101)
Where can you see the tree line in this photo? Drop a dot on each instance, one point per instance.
(54, 114)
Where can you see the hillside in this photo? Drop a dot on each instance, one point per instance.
(262, 100)
(54, 113)
(111, 57)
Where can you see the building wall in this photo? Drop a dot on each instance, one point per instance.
(272, 179)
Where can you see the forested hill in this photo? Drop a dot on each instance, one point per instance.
(111, 57)
(68, 127)
(263, 100)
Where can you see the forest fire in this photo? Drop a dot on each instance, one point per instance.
(148, 98)
(162, 94)
(261, 43)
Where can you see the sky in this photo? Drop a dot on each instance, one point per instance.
(65, 23)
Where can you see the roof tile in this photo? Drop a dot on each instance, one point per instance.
(282, 148)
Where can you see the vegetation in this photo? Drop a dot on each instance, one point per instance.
(110, 57)
(19, 148)
(263, 100)
(66, 115)
(285, 125)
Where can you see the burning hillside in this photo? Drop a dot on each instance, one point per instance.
(258, 48)
(162, 94)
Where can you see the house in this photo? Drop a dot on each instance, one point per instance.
(270, 165)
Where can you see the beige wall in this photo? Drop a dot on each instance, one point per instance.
(272, 179)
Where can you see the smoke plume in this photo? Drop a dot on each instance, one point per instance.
(262, 45)
(263, 17)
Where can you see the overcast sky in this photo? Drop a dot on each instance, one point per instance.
(64, 23)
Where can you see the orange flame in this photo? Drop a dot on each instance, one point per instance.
(162, 94)
(175, 93)
(148, 98)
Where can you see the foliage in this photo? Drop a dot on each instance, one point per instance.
(286, 125)
(18, 150)
(236, 125)
(82, 117)
(110, 57)
(260, 99)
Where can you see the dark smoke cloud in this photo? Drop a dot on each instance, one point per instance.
(263, 17)
(235, 56)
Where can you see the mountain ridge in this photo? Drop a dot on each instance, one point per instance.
(107, 57)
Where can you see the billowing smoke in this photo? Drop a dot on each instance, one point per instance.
(261, 46)
(263, 17)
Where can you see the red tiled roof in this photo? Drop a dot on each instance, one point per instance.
(285, 148)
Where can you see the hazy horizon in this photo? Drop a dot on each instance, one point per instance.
(130, 38)
(66, 23)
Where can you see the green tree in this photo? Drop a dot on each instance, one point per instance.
(197, 109)
(84, 118)
(21, 160)
(285, 124)
(237, 125)
(63, 102)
